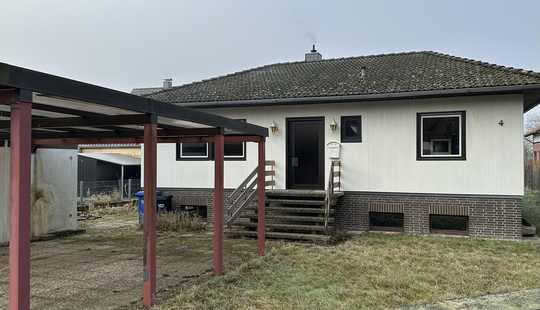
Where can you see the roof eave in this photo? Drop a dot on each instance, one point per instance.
(516, 89)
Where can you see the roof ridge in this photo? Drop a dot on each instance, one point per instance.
(529, 73)
(281, 64)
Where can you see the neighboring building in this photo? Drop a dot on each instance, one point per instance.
(54, 191)
(167, 83)
(109, 167)
(533, 136)
(411, 131)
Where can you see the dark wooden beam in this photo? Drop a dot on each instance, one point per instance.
(8, 96)
(51, 85)
(63, 110)
(76, 141)
(87, 121)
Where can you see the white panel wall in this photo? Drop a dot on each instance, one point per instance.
(386, 159)
(52, 170)
(56, 171)
(4, 194)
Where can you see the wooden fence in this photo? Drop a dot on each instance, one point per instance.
(532, 175)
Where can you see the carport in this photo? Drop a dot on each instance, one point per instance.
(39, 110)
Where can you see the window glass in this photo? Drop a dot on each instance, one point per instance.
(234, 149)
(198, 150)
(351, 129)
(385, 221)
(441, 135)
(449, 223)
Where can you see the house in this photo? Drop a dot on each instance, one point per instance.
(407, 135)
(167, 83)
(533, 136)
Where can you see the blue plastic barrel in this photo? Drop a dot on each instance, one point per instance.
(140, 205)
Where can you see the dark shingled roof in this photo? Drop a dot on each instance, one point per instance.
(398, 73)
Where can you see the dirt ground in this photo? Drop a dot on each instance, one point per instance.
(102, 269)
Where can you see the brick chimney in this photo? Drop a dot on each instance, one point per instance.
(313, 55)
(167, 83)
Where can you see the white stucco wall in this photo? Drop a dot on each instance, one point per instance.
(55, 171)
(385, 161)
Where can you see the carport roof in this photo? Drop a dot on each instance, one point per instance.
(65, 108)
(118, 159)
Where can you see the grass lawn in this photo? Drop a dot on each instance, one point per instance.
(371, 271)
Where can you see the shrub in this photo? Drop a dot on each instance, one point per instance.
(103, 200)
(531, 208)
(180, 222)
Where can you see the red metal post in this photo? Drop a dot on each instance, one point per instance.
(261, 185)
(218, 204)
(150, 145)
(19, 242)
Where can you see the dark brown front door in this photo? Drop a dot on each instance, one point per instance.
(305, 153)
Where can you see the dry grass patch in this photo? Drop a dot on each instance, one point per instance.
(372, 271)
(180, 222)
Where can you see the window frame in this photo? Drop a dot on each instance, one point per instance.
(235, 157)
(345, 139)
(458, 232)
(420, 135)
(244, 148)
(210, 152)
(179, 156)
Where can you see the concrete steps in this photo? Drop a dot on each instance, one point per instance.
(289, 227)
(298, 210)
(281, 235)
(293, 218)
(291, 215)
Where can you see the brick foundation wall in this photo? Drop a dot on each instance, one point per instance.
(497, 217)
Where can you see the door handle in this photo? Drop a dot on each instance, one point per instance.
(294, 162)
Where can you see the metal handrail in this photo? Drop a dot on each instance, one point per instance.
(244, 194)
(242, 185)
(329, 197)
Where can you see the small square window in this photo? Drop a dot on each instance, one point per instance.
(449, 224)
(351, 128)
(381, 221)
(192, 151)
(441, 136)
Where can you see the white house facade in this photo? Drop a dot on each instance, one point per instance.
(411, 164)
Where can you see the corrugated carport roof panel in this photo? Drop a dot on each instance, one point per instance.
(119, 159)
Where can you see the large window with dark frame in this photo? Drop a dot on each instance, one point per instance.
(193, 151)
(441, 136)
(205, 151)
(235, 150)
(351, 129)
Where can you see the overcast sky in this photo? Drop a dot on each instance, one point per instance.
(126, 44)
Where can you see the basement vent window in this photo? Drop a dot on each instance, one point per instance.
(449, 224)
(192, 151)
(382, 221)
(441, 136)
